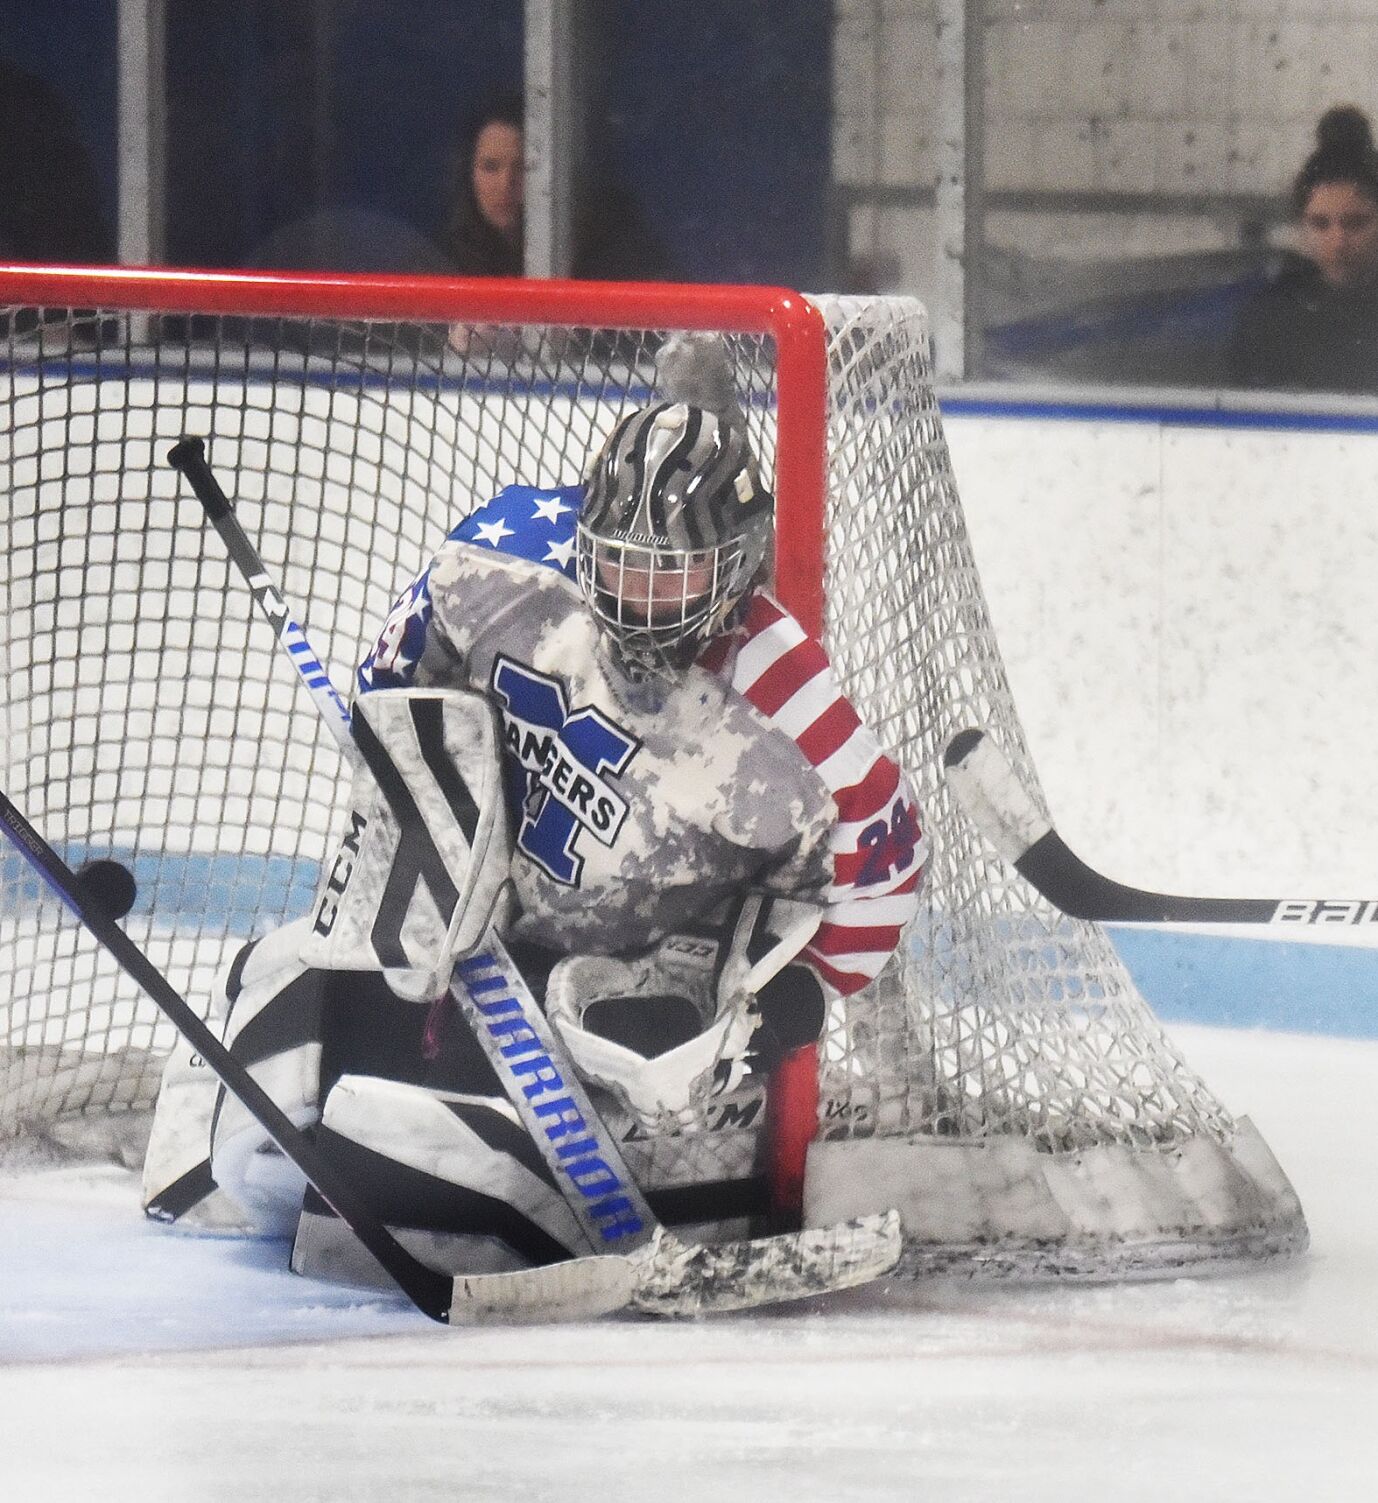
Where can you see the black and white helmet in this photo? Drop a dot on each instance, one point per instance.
(673, 529)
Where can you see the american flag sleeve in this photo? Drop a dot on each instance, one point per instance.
(877, 851)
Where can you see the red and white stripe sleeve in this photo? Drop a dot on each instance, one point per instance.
(877, 847)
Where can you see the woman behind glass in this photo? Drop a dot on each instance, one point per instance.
(1315, 326)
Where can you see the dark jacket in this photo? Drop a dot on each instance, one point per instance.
(1300, 334)
(474, 248)
(612, 243)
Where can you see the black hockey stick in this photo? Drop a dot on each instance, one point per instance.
(673, 1277)
(438, 1295)
(1000, 807)
(189, 457)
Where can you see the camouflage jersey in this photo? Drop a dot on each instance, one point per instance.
(640, 806)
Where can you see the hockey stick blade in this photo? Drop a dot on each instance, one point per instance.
(673, 1278)
(678, 1278)
(995, 801)
(581, 1289)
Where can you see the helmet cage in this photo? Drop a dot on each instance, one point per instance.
(659, 605)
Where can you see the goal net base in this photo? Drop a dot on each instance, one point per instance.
(996, 1208)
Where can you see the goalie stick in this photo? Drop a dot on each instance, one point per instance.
(1000, 807)
(595, 1287)
(672, 1277)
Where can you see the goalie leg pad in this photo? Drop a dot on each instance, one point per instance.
(454, 1175)
(177, 1175)
(177, 1181)
(427, 852)
(273, 1027)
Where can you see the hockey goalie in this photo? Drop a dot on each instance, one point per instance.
(618, 751)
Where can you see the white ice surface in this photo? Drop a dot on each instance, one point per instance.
(145, 1365)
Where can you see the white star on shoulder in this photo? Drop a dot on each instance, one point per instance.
(549, 508)
(560, 553)
(492, 533)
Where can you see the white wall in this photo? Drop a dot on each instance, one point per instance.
(1189, 617)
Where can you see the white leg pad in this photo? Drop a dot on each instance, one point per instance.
(177, 1184)
(432, 1132)
(274, 998)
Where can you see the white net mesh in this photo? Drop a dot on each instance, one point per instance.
(146, 716)
(1017, 1020)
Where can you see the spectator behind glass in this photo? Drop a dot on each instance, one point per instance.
(1315, 326)
(483, 235)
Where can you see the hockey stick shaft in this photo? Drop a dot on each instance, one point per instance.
(675, 1278)
(189, 457)
(997, 803)
(429, 1291)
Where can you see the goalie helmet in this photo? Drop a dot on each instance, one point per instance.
(673, 530)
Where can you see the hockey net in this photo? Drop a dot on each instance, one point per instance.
(1003, 1082)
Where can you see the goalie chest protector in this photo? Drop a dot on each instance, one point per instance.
(637, 807)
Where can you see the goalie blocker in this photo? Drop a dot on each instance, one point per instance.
(336, 1017)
